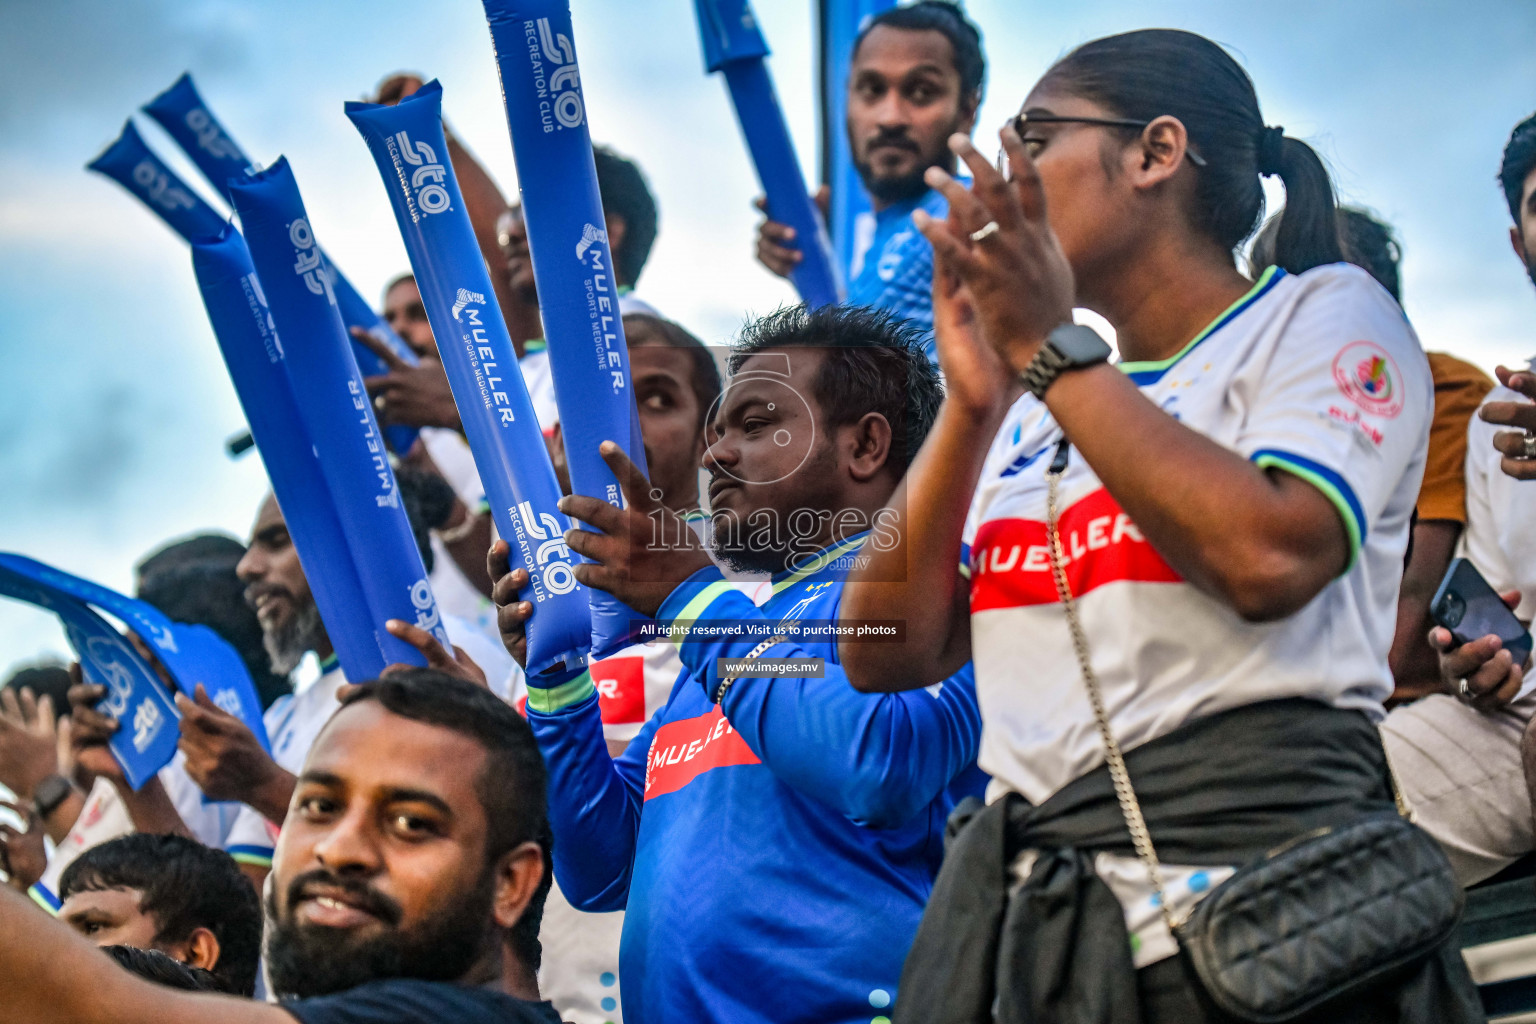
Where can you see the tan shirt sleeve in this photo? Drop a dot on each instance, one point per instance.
(1460, 388)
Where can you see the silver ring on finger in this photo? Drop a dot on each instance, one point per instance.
(1464, 689)
(1528, 446)
(986, 231)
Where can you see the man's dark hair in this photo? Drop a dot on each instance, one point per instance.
(705, 377)
(622, 188)
(219, 548)
(875, 363)
(193, 580)
(1369, 243)
(1519, 158)
(52, 680)
(398, 280)
(949, 20)
(1146, 74)
(183, 886)
(428, 500)
(512, 787)
(163, 969)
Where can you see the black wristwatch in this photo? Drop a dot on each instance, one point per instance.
(49, 793)
(1068, 347)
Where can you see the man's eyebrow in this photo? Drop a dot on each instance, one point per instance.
(319, 778)
(419, 796)
(924, 69)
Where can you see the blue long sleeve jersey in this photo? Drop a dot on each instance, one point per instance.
(774, 853)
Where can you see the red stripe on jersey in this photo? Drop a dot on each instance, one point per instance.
(682, 751)
(1011, 558)
(620, 686)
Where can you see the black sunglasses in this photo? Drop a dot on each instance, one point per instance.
(1020, 122)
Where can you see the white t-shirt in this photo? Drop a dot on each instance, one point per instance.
(1318, 374)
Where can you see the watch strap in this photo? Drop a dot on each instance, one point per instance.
(1053, 359)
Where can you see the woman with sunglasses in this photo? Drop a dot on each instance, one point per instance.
(1228, 507)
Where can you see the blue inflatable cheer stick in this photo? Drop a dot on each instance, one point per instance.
(190, 654)
(258, 366)
(838, 23)
(132, 164)
(406, 141)
(334, 407)
(734, 45)
(147, 734)
(572, 267)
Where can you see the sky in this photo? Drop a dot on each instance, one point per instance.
(115, 405)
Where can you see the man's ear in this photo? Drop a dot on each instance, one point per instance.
(200, 950)
(1517, 243)
(871, 439)
(518, 875)
(970, 104)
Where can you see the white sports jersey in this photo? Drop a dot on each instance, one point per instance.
(1318, 374)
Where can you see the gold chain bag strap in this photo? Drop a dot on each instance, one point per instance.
(1324, 916)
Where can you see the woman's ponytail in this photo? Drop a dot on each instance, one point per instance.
(1145, 74)
(1308, 233)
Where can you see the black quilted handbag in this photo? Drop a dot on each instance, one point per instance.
(1328, 915)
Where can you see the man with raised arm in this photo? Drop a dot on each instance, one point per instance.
(772, 841)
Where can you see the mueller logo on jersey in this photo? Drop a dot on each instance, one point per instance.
(1369, 377)
(682, 751)
(1011, 558)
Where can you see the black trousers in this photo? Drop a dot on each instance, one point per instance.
(1171, 994)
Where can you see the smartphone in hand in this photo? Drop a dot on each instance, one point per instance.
(1467, 606)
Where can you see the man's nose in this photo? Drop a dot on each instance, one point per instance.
(251, 567)
(349, 845)
(721, 454)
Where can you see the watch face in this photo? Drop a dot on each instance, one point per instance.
(1081, 345)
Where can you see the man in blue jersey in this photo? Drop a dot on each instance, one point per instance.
(915, 79)
(772, 840)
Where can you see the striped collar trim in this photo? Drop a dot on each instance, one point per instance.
(1151, 371)
(819, 561)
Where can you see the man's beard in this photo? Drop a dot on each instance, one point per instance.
(895, 190)
(287, 642)
(306, 961)
(763, 541)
